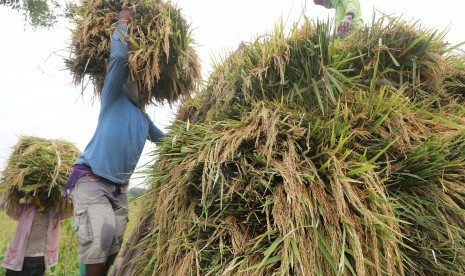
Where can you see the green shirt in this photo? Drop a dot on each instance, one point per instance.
(347, 6)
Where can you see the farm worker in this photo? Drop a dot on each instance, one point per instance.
(348, 15)
(98, 183)
(34, 247)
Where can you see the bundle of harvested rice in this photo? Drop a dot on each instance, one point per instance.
(36, 174)
(161, 56)
(307, 156)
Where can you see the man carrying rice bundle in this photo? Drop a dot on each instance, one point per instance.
(98, 183)
(31, 193)
(161, 57)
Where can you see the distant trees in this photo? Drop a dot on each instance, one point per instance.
(136, 192)
(40, 13)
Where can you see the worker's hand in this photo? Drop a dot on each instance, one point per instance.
(124, 17)
(344, 28)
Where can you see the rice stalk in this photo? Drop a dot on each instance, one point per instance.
(36, 174)
(304, 155)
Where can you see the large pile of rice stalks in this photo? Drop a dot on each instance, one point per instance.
(161, 47)
(36, 174)
(308, 156)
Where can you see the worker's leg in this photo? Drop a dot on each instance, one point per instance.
(94, 223)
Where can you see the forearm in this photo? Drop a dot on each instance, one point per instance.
(155, 134)
(117, 69)
(119, 45)
(14, 213)
(351, 7)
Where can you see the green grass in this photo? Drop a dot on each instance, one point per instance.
(67, 264)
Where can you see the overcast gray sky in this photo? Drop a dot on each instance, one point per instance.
(37, 97)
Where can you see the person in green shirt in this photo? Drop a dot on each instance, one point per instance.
(348, 16)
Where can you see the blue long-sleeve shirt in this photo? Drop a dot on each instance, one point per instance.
(122, 129)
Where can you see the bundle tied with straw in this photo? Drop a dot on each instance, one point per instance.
(161, 57)
(305, 155)
(36, 174)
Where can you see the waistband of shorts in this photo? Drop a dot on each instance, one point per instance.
(103, 179)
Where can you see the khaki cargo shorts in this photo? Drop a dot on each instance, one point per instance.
(100, 217)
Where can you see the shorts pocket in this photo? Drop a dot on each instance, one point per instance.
(82, 227)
